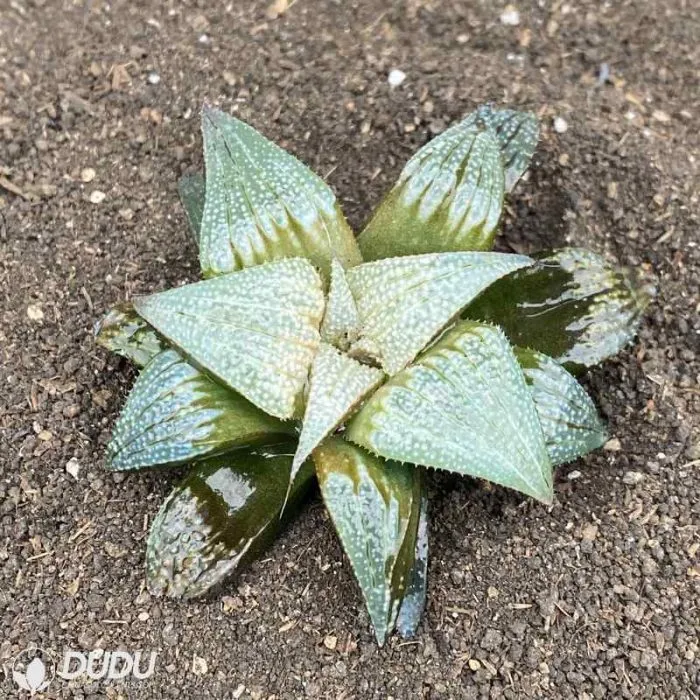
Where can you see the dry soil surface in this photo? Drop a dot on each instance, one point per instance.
(595, 597)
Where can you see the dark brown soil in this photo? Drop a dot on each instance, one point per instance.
(596, 597)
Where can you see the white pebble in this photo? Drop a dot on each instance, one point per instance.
(73, 467)
(87, 174)
(560, 125)
(97, 197)
(153, 78)
(510, 16)
(396, 77)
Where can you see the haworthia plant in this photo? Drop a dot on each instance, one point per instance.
(295, 357)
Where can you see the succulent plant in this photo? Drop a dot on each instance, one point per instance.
(309, 355)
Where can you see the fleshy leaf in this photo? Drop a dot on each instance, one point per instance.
(175, 414)
(572, 305)
(413, 603)
(463, 406)
(263, 204)
(404, 302)
(225, 513)
(375, 507)
(337, 385)
(568, 416)
(517, 134)
(255, 330)
(341, 323)
(192, 192)
(449, 197)
(124, 332)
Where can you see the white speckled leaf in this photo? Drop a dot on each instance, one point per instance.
(337, 385)
(517, 134)
(375, 507)
(175, 414)
(404, 302)
(191, 189)
(255, 330)
(568, 416)
(463, 406)
(340, 322)
(449, 197)
(263, 204)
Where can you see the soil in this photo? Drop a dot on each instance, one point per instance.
(595, 597)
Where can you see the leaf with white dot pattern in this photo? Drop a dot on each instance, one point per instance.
(175, 413)
(337, 385)
(449, 197)
(375, 507)
(255, 330)
(463, 406)
(263, 204)
(404, 302)
(225, 513)
(572, 305)
(568, 416)
(192, 192)
(125, 333)
(517, 134)
(341, 323)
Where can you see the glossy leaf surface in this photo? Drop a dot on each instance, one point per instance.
(255, 330)
(263, 204)
(341, 323)
(124, 332)
(413, 604)
(517, 134)
(573, 306)
(404, 302)
(175, 414)
(449, 197)
(192, 192)
(568, 416)
(337, 385)
(463, 406)
(375, 507)
(224, 514)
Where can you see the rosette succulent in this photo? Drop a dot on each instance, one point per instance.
(308, 355)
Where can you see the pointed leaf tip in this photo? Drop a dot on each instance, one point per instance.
(175, 413)
(255, 330)
(375, 508)
(263, 204)
(403, 303)
(463, 406)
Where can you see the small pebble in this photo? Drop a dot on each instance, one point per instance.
(153, 78)
(87, 174)
(572, 476)
(632, 478)
(97, 196)
(35, 313)
(510, 16)
(396, 77)
(560, 125)
(612, 445)
(199, 665)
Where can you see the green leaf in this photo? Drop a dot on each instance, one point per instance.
(517, 134)
(413, 604)
(375, 507)
(124, 332)
(341, 324)
(263, 204)
(338, 384)
(225, 513)
(192, 192)
(255, 330)
(567, 414)
(404, 302)
(175, 413)
(463, 406)
(449, 197)
(572, 305)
